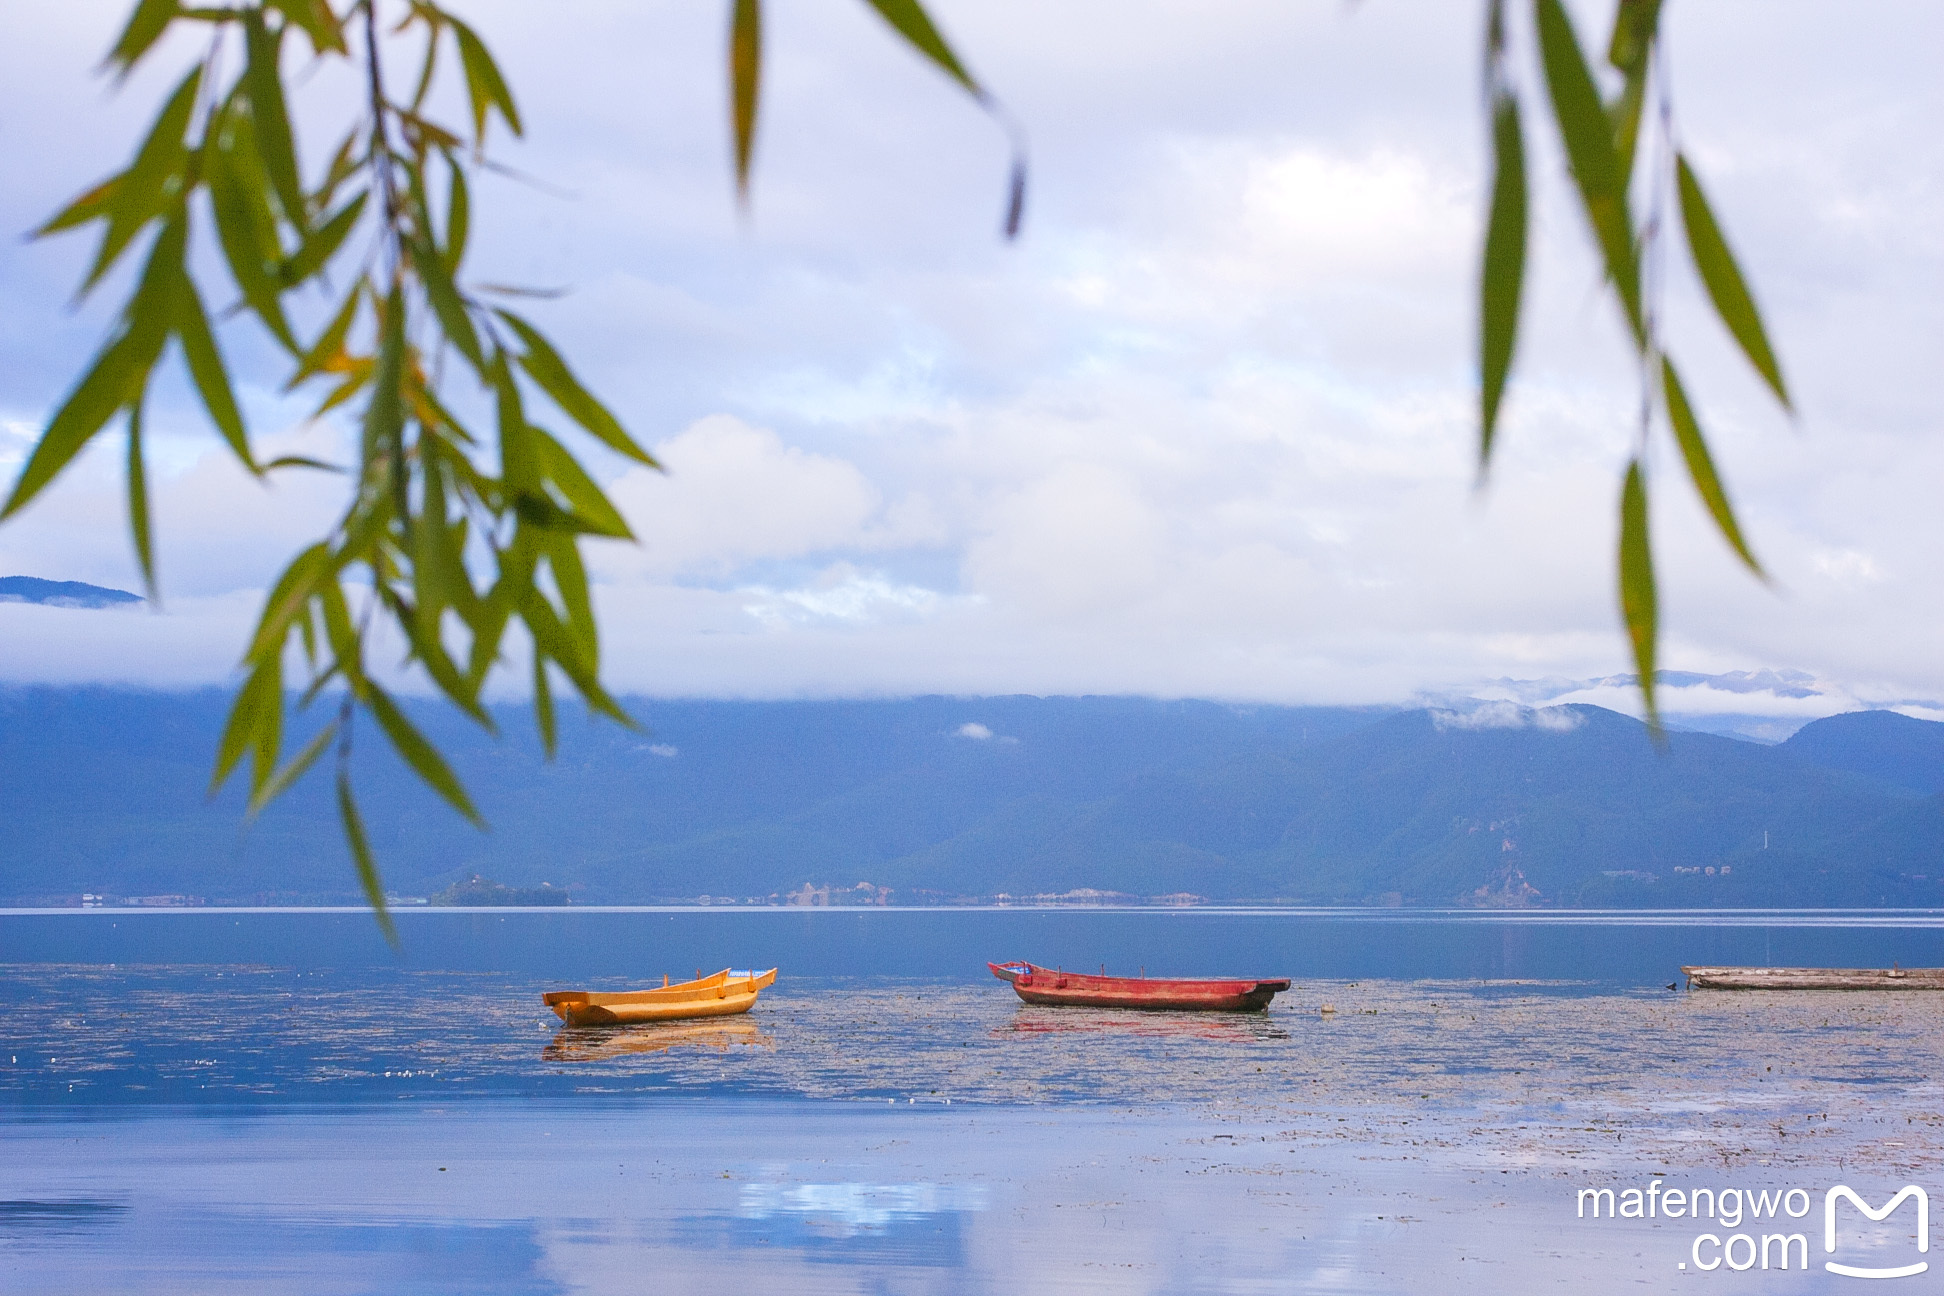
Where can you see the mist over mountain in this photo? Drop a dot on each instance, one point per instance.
(937, 800)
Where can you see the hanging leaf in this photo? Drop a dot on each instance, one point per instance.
(544, 365)
(1639, 601)
(354, 836)
(1726, 287)
(1502, 275)
(211, 376)
(138, 502)
(420, 755)
(485, 87)
(909, 19)
(745, 77)
(145, 26)
(1588, 136)
(1700, 464)
(263, 75)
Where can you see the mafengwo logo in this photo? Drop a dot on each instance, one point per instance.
(1872, 1246)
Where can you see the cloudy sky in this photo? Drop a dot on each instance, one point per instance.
(1205, 430)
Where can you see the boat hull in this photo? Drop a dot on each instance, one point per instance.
(1762, 978)
(1054, 988)
(722, 994)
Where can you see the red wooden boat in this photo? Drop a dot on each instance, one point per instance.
(1051, 986)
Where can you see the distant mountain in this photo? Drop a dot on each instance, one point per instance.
(1761, 706)
(1879, 744)
(72, 594)
(942, 799)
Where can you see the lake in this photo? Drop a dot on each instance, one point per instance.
(204, 1100)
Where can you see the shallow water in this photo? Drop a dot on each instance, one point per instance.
(193, 1124)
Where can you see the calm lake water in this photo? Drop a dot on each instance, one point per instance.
(199, 1101)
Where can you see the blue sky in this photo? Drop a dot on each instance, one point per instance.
(1206, 429)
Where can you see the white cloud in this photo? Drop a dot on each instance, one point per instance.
(1509, 715)
(973, 729)
(1206, 430)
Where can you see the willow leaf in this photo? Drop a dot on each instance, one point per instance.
(909, 19)
(322, 243)
(294, 769)
(1502, 275)
(140, 529)
(544, 365)
(1588, 136)
(141, 192)
(745, 81)
(354, 836)
(421, 755)
(543, 705)
(1639, 600)
(145, 26)
(1726, 287)
(1700, 464)
(263, 75)
(485, 87)
(207, 368)
(118, 375)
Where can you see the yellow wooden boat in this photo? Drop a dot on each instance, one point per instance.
(725, 992)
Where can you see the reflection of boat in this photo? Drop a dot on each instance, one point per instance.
(719, 995)
(1767, 978)
(1051, 986)
(1231, 1028)
(600, 1043)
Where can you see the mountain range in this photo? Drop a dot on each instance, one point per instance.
(943, 800)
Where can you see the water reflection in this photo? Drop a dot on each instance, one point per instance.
(605, 1043)
(1223, 1028)
(845, 1209)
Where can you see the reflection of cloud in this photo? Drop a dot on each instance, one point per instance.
(847, 1208)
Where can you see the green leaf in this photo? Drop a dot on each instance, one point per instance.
(447, 304)
(206, 367)
(591, 507)
(145, 26)
(909, 19)
(263, 75)
(1502, 275)
(117, 377)
(330, 343)
(1639, 601)
(544, 365)
(245, 228)
(1635, 24)
(485, 87)
(1700, 464)
(458, 219)
(384, 420)
(543, 705)
(323, 243)
(1588, 136)
(1726, 287)
(745, 80)
(139, 528)
(96, 204)
(296, 768)
(315, 19)
(354, 836)
(255, 725)
(419, 754)
(141, 193)
(287, 600)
